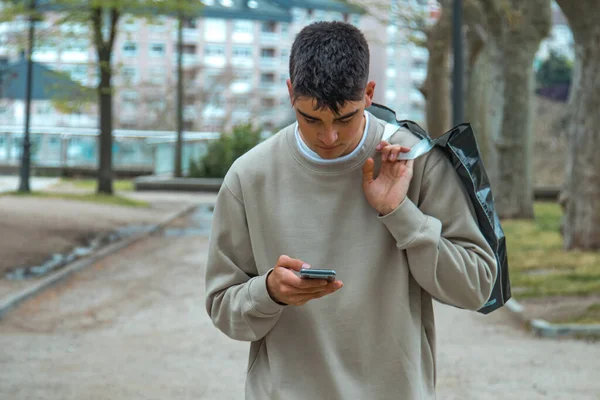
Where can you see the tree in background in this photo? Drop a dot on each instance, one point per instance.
(555, 70)
(582, 191)
(223, 152)
(516, 30)
(102, 17)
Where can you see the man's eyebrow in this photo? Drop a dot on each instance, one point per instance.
(350, 114)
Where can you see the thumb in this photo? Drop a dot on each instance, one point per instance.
(368, 170)
(291, 263)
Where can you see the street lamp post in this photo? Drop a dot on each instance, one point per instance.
(26, 156)
(458, 70)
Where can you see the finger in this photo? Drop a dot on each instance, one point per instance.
(303, 298)
(291, 263)
(382, 144)
(306, 283)
(385, 152)
(368, 170)
(289, 278)
(394, 151)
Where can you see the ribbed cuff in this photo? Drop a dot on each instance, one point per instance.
(259, 296)
(405, 223)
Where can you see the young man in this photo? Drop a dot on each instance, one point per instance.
(327, 193)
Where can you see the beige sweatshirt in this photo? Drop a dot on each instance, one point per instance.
(374, 338)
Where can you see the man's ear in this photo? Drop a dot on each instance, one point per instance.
(290, 91)
(369, 93)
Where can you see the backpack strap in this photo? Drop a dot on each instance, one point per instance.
(420, 148)
(389, 131)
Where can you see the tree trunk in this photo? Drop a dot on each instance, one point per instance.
(436, 87)
(514, 146)
(582, 222)
(105, 173)
(516, 28)
(104, 49)
(179, 142)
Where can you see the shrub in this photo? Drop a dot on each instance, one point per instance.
(222, 152)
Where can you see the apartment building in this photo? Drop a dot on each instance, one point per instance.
(235, 61)
(235, 58)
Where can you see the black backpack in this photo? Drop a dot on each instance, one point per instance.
(460, 146)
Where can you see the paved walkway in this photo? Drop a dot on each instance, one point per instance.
(134, 327)
(11, 183)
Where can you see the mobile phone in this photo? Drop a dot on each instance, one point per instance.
(310, 273)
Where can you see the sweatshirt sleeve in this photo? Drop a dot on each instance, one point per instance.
(447, 253)
(237, 300)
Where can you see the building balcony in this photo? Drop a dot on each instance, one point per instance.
(270, 38)
(242, 37)
(189, 35)
(215, 61)
(188, 60)
(269, 62)
(246, 62)
(240, 87)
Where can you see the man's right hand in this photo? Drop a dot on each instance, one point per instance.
(284, 286)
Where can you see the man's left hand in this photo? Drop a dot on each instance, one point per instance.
(389, 190)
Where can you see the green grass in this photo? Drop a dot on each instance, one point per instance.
(91, 197)
(538, 264)
(121, 185)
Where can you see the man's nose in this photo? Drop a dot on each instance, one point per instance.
(329, 136)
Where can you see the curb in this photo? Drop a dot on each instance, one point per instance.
(545, 329)
(12, 300)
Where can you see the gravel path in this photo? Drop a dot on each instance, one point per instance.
(134, 327)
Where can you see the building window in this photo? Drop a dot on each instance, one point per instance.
(267, 53)
(211, 50)
(190, 49)
(268, 27)
(157, 50)
(285, 55)
(159, 24)
(243, 76)
(267, 78)
(190, 23)
(129, 74)
(129, 98)
(157, 75)
(215, 30)
(130, 23)
(242, 26)
(242, 51)
(130, 49)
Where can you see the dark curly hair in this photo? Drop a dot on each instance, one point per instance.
(329, 62)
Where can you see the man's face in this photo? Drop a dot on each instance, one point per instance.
(332, 135)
